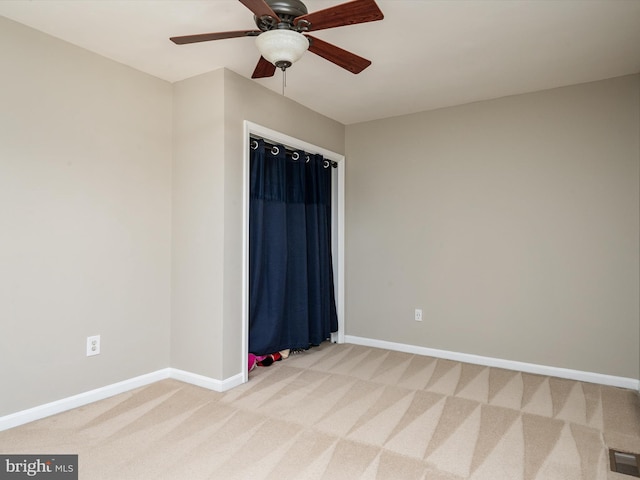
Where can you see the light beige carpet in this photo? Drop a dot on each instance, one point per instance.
(349, 412)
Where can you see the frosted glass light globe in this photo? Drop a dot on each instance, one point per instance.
(282, 47)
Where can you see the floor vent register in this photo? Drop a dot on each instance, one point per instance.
(625, 463)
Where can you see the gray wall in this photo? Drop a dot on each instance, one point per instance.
(512, 223)
(85, 212)
(198, 225)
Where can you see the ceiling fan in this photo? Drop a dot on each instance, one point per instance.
(282, 35)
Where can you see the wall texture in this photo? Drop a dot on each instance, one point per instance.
(512, 223)
(85, 219)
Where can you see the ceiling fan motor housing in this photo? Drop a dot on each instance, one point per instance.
(287, 10)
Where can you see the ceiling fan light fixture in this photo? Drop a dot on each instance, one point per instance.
(282, 47)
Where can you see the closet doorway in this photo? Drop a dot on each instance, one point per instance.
(337, 225)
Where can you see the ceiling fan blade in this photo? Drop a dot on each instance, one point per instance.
(342, 58)
(264, 69)
(205, 37)
(350, 13)
(260, 8)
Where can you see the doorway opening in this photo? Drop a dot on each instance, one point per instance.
(337, 226)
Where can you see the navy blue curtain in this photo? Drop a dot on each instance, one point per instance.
(291, 294)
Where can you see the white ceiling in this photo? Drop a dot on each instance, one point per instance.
(426, 54)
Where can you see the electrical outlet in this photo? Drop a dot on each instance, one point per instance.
(418, 315)
(93, 345)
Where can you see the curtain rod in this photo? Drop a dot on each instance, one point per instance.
(270, 145)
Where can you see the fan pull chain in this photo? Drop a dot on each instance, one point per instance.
(284, 80)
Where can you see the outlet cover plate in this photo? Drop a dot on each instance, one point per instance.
(93, 345)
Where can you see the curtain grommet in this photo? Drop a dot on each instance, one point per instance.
(254, 144)
(295, 156)
(275, 150)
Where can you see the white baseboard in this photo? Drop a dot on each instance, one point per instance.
(75, 401)
(623, 382)
(206, 382)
